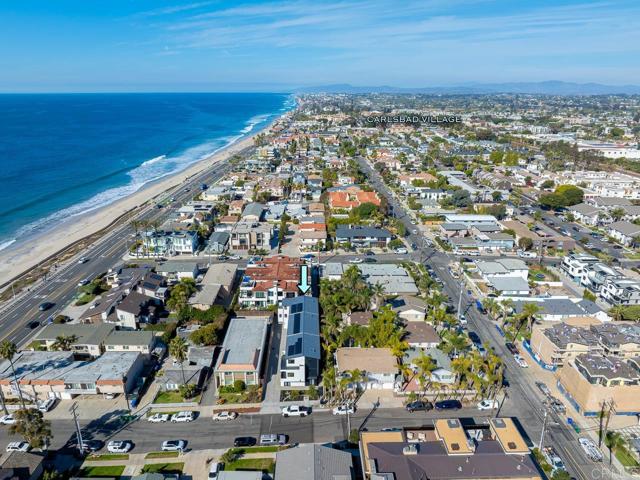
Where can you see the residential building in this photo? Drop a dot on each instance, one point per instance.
(252, 212)
(409, 308)
(300, 362)
(314, 462)
(576, 265)
(449, 451)
(243, 351)
(162, 243)
(421, 334)
(23, 466)
(89, 339)
(350, 197)
(175, 270)
(378, 366)
(217, 243)
(134, 309)
(174, 376)
(562, 308)
(554, 345)
(471, 220)
(394, 278)
(624, 232)
(363, 237)
(269, 281)
(247, 236)
(585, 213)
(216, 286)
(620, 291)
(142, 341)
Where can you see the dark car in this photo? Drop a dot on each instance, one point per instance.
(473, 336)
(244, 442)
(45, 306)
(448, 405)
(33, 325)
(512, 348)
(369, 253)
(419, 405)
(92, 445)
(370, 260)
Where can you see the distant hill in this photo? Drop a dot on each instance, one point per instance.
(552, 87)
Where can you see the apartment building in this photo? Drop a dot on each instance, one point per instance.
(591, 379)
(620, 291)
(448, 450)
(247, 236)
(575, 265)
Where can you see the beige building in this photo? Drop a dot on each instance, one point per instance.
(589, 380)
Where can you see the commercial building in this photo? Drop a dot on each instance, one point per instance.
(243, 351)
(300, 362)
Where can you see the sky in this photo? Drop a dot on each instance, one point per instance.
(163, 45)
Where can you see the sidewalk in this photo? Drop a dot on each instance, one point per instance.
(196, 462)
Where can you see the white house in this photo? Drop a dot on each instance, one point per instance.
(624, 232)
(378, 366)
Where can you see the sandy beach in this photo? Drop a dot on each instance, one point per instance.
(17, 258)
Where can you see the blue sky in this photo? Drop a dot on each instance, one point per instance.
(159, 45)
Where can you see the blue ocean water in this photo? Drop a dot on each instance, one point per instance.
(64, 155)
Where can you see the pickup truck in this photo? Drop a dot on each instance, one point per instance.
(295, 411)
(590, 448)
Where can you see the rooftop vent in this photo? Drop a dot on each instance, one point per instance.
(411, 449)
(511, 445)
(455, 447)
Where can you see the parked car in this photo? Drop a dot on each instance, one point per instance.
(82, 260)
(344, 409)
(295, 411)
(119, 446)
(47, 404)
(521, 361)
(7, 420)
(512, 348)
(180, 417)
(224, 416)
(244, 442)
(92, 445)
(487, 404)
(33, 325)
(45, 306)
(173, 445)
(557, 405)
(83, 282)
(553, 459)
(273, 439)
(543, 388)
(419, 405)
(356, 261)
(18, 447)
(234, 257)
(473, 336)
(214, 469)
(448, 405)
(401, 251)
(158, 418)
(590, 448)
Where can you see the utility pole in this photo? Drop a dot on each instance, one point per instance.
(460, 300)
(544, 427)
(73, 411)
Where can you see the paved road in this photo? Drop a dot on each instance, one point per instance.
(61, 287)
(521, 391)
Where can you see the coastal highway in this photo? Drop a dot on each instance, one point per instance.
(61, 285)
(530, 409)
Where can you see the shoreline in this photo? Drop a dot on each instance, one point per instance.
(25, 254)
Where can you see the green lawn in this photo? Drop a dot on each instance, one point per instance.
(163, 468)
(625, 458)
(243, 450)
(266, 465)
(161, 454)
(168, 397)
(100, 471)
(109, 456)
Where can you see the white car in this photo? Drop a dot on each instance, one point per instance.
(223, 416)
(83, 260)
(401, 251)
(173, 445)
(47, 405)
(119, 446)
(18, 447)
(344, 409)
(356, 261)
(181, 417)
(487, 404)
(520, 361)
(214, 469)
(158, 418)
(82, 283)
(295, 411)
(7, 420)
(234, 257)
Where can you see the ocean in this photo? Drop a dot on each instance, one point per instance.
(62, 155)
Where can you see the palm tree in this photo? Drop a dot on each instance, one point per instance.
(64, 342)
(378, 293)
(8, 350)
(178, 349)
(527, 316)
(613, 441)
(136, 224)
(491, 306)
(425, 365)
